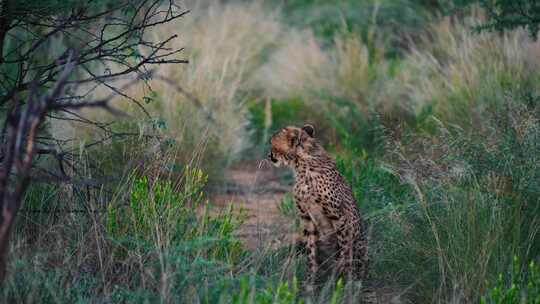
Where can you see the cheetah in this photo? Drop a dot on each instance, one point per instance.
(333, 230)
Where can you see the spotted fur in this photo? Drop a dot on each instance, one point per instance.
(333, 229)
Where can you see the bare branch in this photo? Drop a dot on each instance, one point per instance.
(35, 86)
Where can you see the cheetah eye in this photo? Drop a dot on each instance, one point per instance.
(293, 141)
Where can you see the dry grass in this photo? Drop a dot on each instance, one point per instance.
(301, 67)
(461, 73)
(298, 67)
(240, 51)
(225, 44)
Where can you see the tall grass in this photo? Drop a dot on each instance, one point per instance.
(152, 240)
(225, 45)
(476, 210)
(457, 74)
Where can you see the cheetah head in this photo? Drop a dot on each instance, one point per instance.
(290, 144)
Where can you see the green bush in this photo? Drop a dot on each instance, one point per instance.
(357, 133)
(287, 207)
(163, 223)
(265, 120)
(283, 293)
(393, 19)
(156, 248)
(520, 286)
(30, 285)
(508, 14)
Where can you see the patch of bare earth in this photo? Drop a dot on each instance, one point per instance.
(256, 189)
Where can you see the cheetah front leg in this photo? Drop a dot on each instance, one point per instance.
(300, 242)
(344, 232)
(311, 234)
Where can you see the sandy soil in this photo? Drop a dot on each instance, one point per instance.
(257, 189)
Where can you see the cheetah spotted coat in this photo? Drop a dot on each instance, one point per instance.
(333, 232)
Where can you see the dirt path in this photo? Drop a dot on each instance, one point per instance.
(258, 190)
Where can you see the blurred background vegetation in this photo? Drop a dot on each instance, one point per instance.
(431, 108)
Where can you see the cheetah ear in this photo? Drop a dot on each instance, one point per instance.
(310, 130)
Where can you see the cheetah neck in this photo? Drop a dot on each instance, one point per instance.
(319, 163)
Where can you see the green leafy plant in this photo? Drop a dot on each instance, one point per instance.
(282, 293)
(509, 14)
(520, 286)
(265, 121)
(286, 206)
